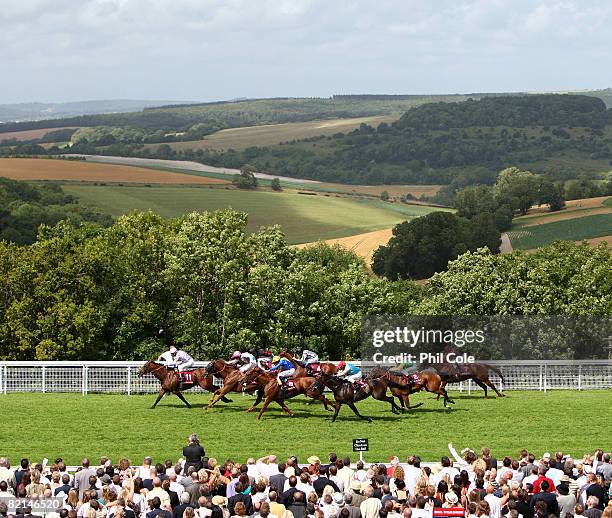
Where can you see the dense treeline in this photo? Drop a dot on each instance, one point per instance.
(24, 207)
(410, 151)
(514, 112)
(104, 293)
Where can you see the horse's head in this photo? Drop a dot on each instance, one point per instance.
(251, 375)
(285, 354)
(212, 367)
(146, 368)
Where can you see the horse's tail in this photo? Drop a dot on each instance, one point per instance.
(496, 370)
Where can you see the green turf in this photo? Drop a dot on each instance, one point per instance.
(71, 425)
(608, 202)
(575, 229)
(303, 218)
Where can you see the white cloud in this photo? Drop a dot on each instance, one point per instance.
(206, 49)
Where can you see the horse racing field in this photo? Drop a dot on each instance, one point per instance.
(71, 425)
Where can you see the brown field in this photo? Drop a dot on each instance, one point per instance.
(80, 171)
(30, 134)
(574, 209)
(271, 134)
(393, 190)
(363, 245)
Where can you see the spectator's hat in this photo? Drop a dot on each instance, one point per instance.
(546, 456)
(339, 499)
(355, 485)
(219, 500)
(394, 460)
(451, 498)
(564, 478)
(290, 471)
(313, 459)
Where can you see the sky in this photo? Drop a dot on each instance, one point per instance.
(202, 50)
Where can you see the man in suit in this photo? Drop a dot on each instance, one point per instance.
(277, 482)
(178, 511)
(322, 481)
(193, 454)
(286, 498)
(239, 497)
(65, 487)
(81, 479)
(156, 510)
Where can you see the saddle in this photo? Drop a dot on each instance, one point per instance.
(361, 384)
(186, 377)
(287, 388)
(313, 369)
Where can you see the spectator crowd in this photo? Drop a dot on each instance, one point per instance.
(196, 486)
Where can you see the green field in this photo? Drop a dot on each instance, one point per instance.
(304, 218)
(575, 229)
(271, 134)
(71, 425)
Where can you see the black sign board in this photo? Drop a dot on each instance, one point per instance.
(360, 445)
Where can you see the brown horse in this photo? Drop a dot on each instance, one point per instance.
(347, 393)
(327, 368)
(275, 392)
(402, 386)
(171, 382)
(232, 381)
(478, 372)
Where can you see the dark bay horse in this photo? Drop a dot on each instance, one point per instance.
(279, 393)
(171, 382)
(347, 393)
(232, 382)
(402, 385)
(300, 371)
(478, 372)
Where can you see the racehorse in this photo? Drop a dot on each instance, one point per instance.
(232, 381)
(402, 386)
(171, 382)
(347, 393)
(300, 371)
(275, 392)
(478, 372)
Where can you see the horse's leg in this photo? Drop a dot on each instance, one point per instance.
(263, 408)
(257, 401)
(284, 407)
(162, 391)
(490, 384)
(337, 405)
(226, 399)
(382, 396)
(354, 409)
(482, 386)
(182, 398)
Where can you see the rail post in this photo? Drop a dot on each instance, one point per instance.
(580, 377)
(44, 378)
(545, 380)
(541, 377)
(84, 381)
(129, 380)
(470, 387)
(2, 367)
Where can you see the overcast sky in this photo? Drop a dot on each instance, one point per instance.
(61, 50)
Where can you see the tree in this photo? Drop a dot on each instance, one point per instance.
(246, 179)
(519, 189)
(424, 246)
(276, 185)
(551, 194)
(384, 196)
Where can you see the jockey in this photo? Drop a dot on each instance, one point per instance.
(248, 361)
(235, 360)
(349, 371)
(308, 357)
(285, 368)
(180, 358)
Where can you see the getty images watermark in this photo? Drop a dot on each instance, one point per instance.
(393, 340)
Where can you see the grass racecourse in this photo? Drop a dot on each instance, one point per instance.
(303, 218)
(71, 425)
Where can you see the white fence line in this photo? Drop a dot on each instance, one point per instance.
(122, 377)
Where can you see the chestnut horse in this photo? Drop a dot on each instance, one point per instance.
(402, 385)
(275, 392)
(347, 393)
(232, 381)
(478, 372)
(171, 383)
(300, 371)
